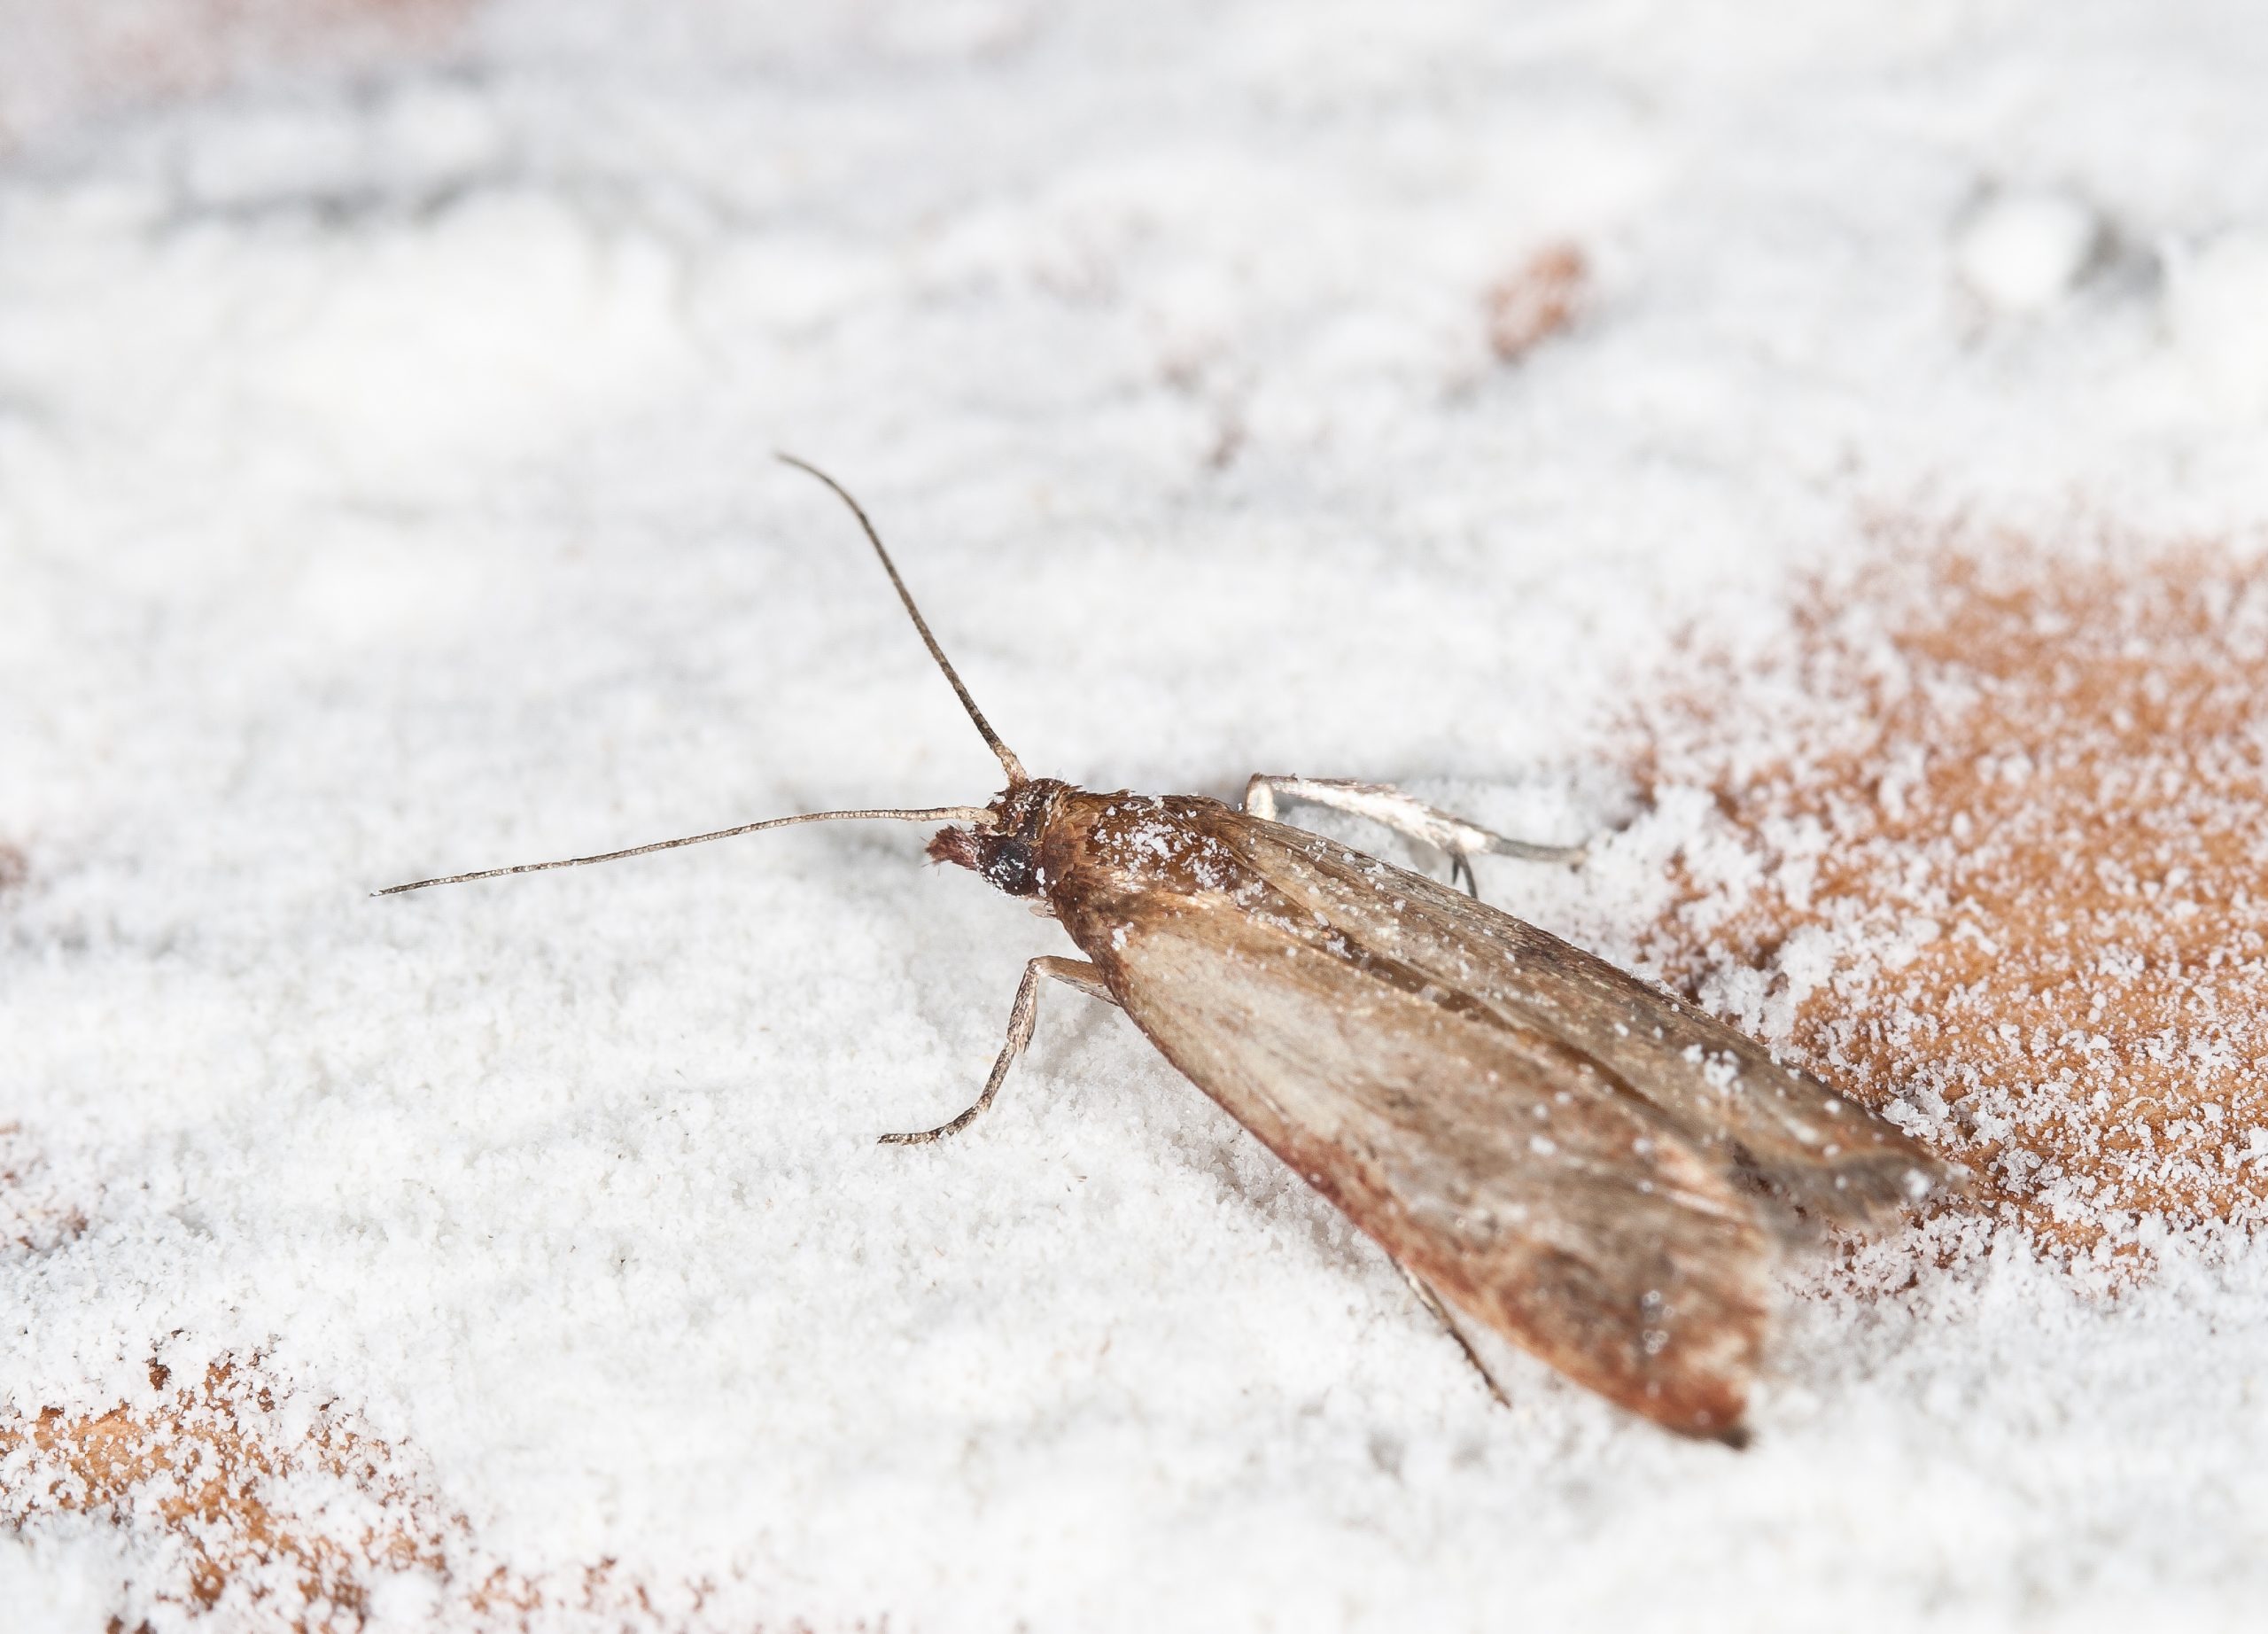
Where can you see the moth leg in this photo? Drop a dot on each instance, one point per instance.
(1022, 1018)
(1432, 1303)
(1404, 813)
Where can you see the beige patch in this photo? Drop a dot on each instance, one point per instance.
(2009, 821)
(220, 1498)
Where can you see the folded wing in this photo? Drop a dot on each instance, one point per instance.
(1515, 1175)
(1827, 1155)
(1581, 1161)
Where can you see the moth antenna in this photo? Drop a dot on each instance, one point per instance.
(935, 814)
(1015, 767)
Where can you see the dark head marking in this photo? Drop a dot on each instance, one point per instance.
(1006, 850)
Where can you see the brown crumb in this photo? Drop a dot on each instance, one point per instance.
(15, 868)
(2005, 861)
(1532, 305)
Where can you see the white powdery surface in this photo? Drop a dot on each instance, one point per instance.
(384, 489)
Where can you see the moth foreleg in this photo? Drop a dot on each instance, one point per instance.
(1022, 1018)
(1433, 1301)
(1406, 815)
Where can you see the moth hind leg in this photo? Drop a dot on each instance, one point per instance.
(1433, 1303)
(1022, 1018)
(1406, 815)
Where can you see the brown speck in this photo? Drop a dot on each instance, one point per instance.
(1543, 297)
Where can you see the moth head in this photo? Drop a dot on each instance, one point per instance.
(1005, 847)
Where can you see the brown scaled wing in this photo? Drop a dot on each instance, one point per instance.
(1559, 1149)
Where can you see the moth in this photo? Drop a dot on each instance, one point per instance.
(1546, 1145)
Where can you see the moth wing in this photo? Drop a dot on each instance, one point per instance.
(1828, 1154)
(1511, 1173)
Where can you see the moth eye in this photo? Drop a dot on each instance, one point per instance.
(1011, 867)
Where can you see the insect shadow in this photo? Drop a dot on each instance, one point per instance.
(1544, 1144)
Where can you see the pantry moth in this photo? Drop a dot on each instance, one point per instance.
(1546, 1145)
